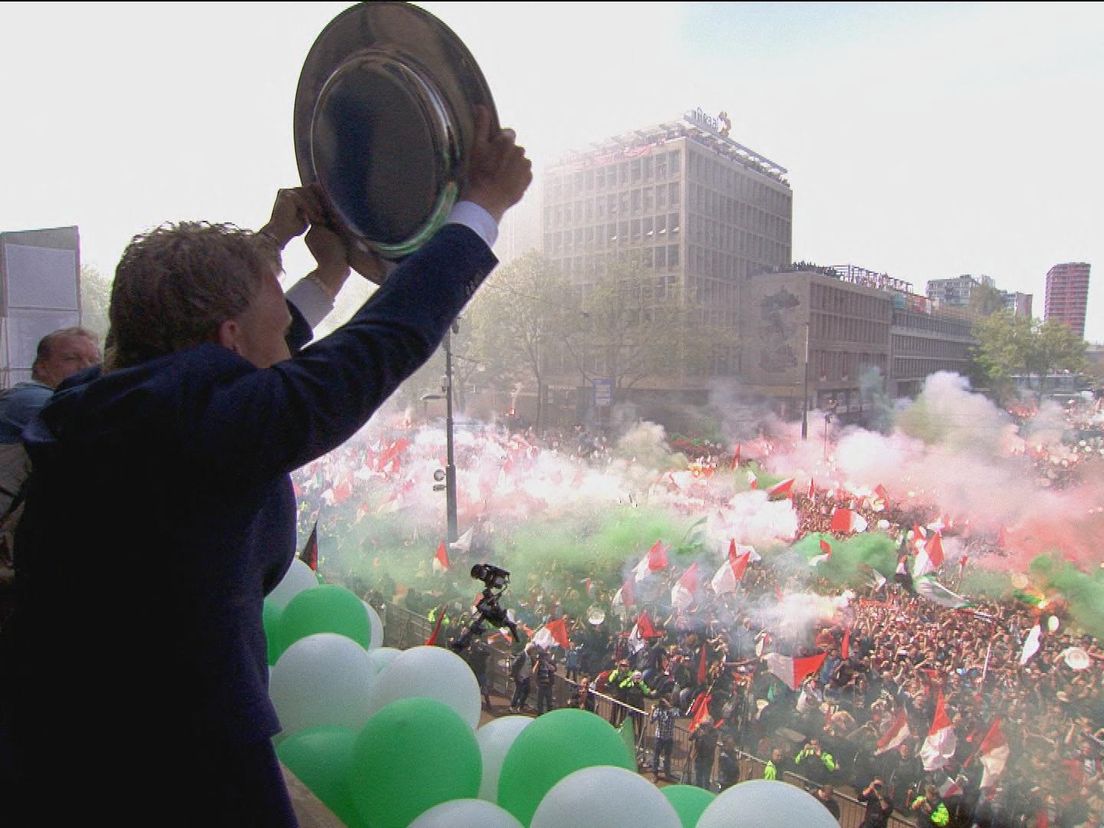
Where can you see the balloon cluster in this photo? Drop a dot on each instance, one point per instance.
(390, 739)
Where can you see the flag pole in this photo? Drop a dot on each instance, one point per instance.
(985, 668)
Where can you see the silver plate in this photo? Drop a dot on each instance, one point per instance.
(384, 122)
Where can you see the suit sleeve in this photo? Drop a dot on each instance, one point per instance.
(261, 422)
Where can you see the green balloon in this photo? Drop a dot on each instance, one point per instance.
(411, 755)
(324, 608)
(554, 745)
(322, 759)
(271, 620)
(689, 801)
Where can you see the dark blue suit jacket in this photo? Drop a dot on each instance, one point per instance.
(161, 513)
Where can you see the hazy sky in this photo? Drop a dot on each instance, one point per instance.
(922, 140)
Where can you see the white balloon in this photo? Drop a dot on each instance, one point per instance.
(380, 658)
(298, 577)
(322, 679)
(1053, 623)
(377, 626)
(466, 813)
(760, 803)
(432, 672)
(494, 739)
(603, 796)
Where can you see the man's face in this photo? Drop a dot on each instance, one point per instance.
(68, 355)
(262, 326)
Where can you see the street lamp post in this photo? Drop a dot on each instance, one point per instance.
(828, 419)
(450, 466)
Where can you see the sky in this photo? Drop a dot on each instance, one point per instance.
(922, 140)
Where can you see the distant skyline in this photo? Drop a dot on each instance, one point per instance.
(923, 140)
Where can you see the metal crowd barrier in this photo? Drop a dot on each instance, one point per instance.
(404, 629)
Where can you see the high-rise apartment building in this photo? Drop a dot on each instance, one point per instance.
(1067, 294)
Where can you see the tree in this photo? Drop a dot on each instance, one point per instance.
(986, 300)
(95, 290)
(1010, 346)
(513, 321)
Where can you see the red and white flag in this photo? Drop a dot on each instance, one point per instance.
(939, 748)
(993, 753)
(654, 561)
(929, 556)
(825, 553)
(897, 734)
(846, 521)
(882, 494)
(793, 671)
(752, 479)
(783, 489)
(554, 632)
(949, 788)
(624, 597)
(441, 559)
(732, 570)
(682, 593)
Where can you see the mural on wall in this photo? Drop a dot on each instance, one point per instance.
(777, 328)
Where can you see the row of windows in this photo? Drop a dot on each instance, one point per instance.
(728, 211)
(648, 230)
(735, 181)
(848, 302)
(633, 202)
(909, 367)
(701, 261)
(835, 328)
(599, 264)
(658, 165)
(731, 240)
(934, 324)
(929, 346)
(827, 366)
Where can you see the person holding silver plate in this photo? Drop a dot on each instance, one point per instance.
(135, 681)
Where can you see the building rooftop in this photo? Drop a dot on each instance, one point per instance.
(694, 125)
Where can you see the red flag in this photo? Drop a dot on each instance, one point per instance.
(740, 562)
(645, 626)
(432, 640)
(628, 594)
(309, 555)
(845, 521)
(783, 489)
(825, 547)
(441, 559)
(703, 669)
(558, 628)
(699, 710)
(881, 492)
(812, 488)
(736, 456)
(845, 646)
(657, 556)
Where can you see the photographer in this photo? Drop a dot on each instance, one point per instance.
(546, 671)
(879, 807)
(814, 762)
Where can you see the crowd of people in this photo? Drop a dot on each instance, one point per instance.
(1001, 670)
